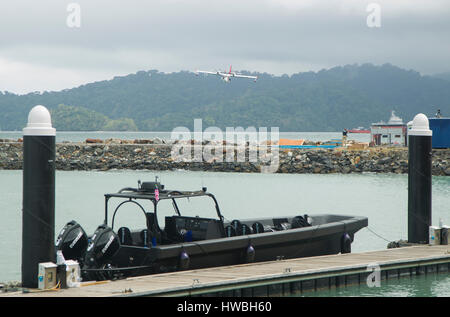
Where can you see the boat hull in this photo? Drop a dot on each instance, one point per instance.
(324, 237)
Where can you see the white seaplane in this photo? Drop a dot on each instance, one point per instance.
(226, 76)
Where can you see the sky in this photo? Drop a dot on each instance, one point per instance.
(50, 45)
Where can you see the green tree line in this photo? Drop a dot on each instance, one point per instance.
(328, 100)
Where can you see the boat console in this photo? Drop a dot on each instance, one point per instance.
(181, 228)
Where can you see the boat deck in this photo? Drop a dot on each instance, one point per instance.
(282, 277)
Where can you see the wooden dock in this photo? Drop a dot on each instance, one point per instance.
(276, 278)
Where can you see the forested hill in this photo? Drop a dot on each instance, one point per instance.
(328, 100)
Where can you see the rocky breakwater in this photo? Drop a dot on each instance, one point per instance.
(374, 160)
(140, 155)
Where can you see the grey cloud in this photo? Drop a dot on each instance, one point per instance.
(283, 36)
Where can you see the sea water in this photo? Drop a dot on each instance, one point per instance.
(431, 285)
(380, 197)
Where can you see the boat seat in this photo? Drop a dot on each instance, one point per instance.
(151, 225)
(245, 230)
(230, 231)
(257, 227)
(124, 234)
(150, 220)
(240, 229)
(145, 238)
(300, 222)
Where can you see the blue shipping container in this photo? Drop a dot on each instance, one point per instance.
(441, 132)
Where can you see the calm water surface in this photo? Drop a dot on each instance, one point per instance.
(382, 198)
(432, 285)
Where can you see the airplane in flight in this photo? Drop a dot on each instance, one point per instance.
(226, 76)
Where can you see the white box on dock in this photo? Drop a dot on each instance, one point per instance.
(47, 275)
(434, 235)
(73, 276)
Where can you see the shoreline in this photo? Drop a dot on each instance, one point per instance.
(150, 155)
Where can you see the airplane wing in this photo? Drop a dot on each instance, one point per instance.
(206, 72)
(245, 76)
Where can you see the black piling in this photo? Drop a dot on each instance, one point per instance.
(38, 209)
(419, 180)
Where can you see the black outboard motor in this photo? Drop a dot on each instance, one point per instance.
(103, 246)
(72, 241)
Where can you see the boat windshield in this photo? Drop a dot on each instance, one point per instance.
(197, 206)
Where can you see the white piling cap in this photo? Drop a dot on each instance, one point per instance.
(420, 126)
(39, 122)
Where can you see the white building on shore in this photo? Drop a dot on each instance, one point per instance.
(394, 132)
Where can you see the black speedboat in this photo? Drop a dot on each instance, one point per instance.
(170, 239)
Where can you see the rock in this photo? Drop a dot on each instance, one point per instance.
(143, 141)
(94, 141)
(121, 155)
(447, 171)
(346, 170)
(384, 160)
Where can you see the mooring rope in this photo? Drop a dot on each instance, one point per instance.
(378, 235)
